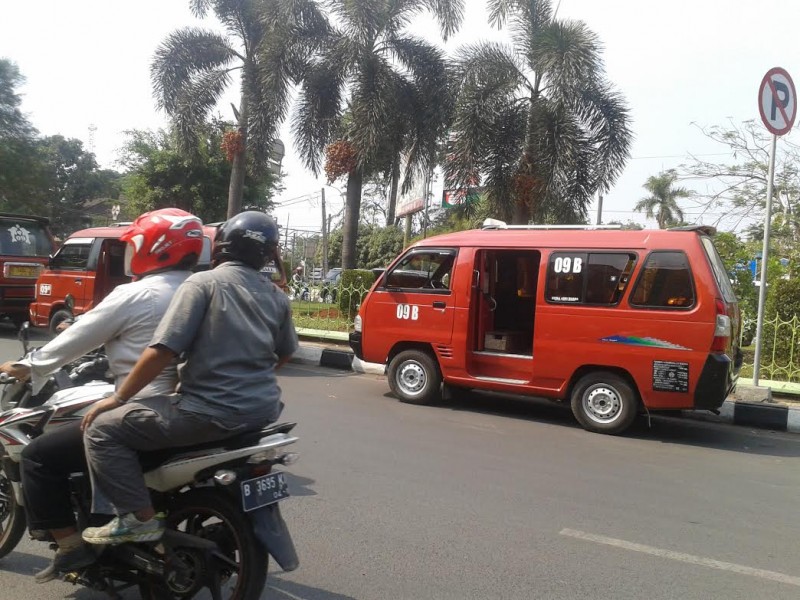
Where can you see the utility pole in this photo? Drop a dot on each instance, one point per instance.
(324, 237)
(600, 210)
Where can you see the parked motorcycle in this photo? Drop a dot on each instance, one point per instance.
(220, 499)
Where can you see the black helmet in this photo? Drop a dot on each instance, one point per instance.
(250, 237)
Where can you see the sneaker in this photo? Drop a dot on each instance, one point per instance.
(65, 562)
(126, 528)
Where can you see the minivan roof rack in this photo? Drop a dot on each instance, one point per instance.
(497, 224)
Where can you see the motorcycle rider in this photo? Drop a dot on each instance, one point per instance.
(234, 329)
(161, 248)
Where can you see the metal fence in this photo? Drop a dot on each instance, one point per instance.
(325, 311)
(780, 354)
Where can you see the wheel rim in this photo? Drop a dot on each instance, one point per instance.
(602, 404)
(209, 524)
(7, 505)
(411, 378)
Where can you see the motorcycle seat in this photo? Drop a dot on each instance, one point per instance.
(151, 459)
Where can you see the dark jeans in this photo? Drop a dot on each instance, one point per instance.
(47, 463)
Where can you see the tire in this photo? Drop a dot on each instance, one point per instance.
(414, 377)
(59, 317)
(214, 516)
(12, 517)
(604, 402)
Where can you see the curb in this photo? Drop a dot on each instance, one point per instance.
(776, 417)
(335, 359)
(763, 415)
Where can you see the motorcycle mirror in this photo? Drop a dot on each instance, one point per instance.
(23, 335)
(69, 301)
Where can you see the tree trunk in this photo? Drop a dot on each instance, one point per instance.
(239, 165)
(390, 216)
(520, 214)
(352, 211)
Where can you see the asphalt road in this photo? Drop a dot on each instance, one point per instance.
(495, 498)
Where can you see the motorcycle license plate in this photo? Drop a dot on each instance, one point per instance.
(264, 490)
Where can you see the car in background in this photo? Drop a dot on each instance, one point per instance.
(87, 267)
(25, 246)
(329, 288)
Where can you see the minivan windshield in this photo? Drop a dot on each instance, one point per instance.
(20, 237)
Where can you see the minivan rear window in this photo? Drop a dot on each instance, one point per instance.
(723, 280)
(665, 282)
(23, 238)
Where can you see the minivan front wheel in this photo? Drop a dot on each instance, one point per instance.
(414, 377)
(58, 318)
(604, 402)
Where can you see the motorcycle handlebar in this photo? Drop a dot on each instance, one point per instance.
(6, 378)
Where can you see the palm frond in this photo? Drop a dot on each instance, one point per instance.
(184, 55)
(531, 13)
(318, 109)
(567, 55)
(605, 116)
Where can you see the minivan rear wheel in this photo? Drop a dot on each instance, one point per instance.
(414, 377)
(604, 402)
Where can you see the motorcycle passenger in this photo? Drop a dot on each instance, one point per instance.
(234, 329)
(162, 246)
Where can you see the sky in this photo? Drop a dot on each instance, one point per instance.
(681, 65)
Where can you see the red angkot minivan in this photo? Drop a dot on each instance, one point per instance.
(612, 321)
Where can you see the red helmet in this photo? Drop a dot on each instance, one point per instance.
(163, 239)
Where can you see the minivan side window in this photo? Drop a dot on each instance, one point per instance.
(424, 270)
(665, 282)
(72, 257)
(588, 277)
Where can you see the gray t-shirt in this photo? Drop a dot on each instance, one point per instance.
(233, 326)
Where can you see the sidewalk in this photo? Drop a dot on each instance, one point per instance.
(748, 406)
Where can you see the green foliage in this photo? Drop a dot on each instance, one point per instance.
(354, 285)
(781, 346)
(536, 123)
(375, 247)
(160, 174)
(267, 42)
(49, 176)
(380, 88)
(736, 256)
(662, 204)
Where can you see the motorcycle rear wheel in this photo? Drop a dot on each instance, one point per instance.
(12, 517)
(210, 515)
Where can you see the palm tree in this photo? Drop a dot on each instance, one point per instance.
(373, 92)
(536, 122)
(662, 203)
(266, 42)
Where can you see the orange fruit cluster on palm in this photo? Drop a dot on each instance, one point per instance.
(340, 159)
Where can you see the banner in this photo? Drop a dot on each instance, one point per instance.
(451, 198)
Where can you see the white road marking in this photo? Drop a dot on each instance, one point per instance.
(285, 593)
(681, 557)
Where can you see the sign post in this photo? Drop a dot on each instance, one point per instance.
(777, 103)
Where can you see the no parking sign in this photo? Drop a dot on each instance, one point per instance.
(777, 101)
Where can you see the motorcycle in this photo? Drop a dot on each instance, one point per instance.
(220, 499)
